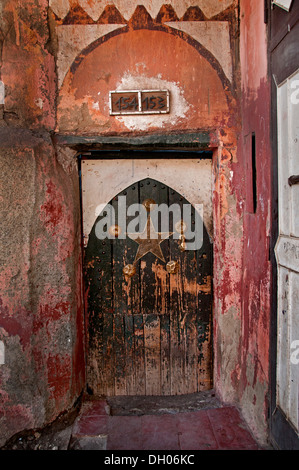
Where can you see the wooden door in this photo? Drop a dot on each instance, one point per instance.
(283, 46)
(149, 299)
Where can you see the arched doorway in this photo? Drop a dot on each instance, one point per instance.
(148, 291)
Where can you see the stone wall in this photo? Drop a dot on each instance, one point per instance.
(41, 321)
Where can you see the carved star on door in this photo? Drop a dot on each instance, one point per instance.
(149, 241)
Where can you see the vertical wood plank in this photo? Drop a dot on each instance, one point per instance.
(189, 280)
(293, 152)
(154, 293)
(119, 355)
(108, 386)
(204, 320)
(105, 255)
(129, 351)
(294, 336)
(131, 285)
(177, 336)
(165, 355)
(283, 340)
(283, 162)
(152, 268)
(126, 292)
(98, 283)
(177, 347)
(120, 291)
(139, 355)
(152, 354)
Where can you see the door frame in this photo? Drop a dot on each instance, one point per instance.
(117, 152)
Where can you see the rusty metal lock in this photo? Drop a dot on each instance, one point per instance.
(172, 267)
(129, 270)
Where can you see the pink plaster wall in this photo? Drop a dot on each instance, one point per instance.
(41, 307)
(41, 321)
(253, 375)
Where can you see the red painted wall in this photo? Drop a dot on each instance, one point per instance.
(252, 379)
(41, 315)
(41, 321)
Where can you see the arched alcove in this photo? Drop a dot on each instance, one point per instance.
(200, 95)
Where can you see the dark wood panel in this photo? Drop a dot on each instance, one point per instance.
(285, 57)
(284, 436)
(282, 22)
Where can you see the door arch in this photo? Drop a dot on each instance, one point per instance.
(149, 329)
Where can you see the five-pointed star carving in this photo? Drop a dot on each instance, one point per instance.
(149, 241)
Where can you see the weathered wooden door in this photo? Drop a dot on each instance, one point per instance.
(148, 295)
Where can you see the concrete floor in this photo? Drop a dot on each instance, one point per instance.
(197, 422)
(179, 423)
